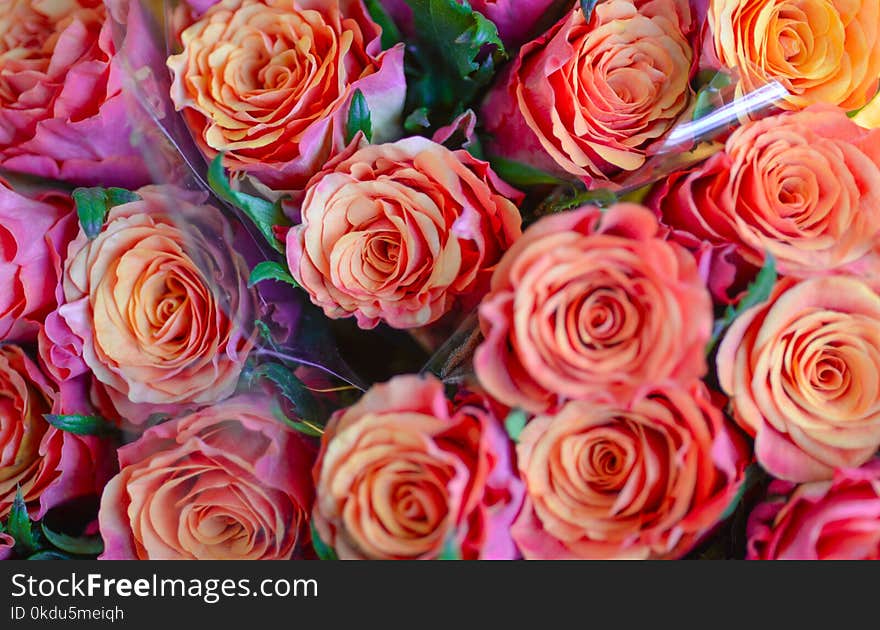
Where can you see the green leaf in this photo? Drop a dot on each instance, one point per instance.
(271, 270)
(456, 31)
(753, 476)
(756, 293)
(359, 118)
(708, 98)
(121, 196)
(82, 546)
(93, 204)
(305, 428)
(19, 525)
(49, 554)
(601, 197)
(81, 425)
(417, 121)
(522, 175)
(390, 33)
(293, 389)
(264, 214)
(451, 550)
(91, 209)
(587, 6)
(321, 548)
(515, 423)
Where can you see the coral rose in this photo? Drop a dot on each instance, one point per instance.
(269, 82)
(590, 99)
(48, 465)
(804, 186)
(229, 482)
(62, 112)
(152, 305)
(586, 302)
(404, 473)
(801, 372)
(33, 235)
(821, 51)
(822, 520)
(646, 479)
(400, 232)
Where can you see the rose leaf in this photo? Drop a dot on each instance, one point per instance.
(522, 175)
(19, 524)
(324, 551)
(264, 214)
(82, 546)
(271, 270)
(756, 293)
(359, 118)
(81, 424)
(515, 423)
(293, 389)
(459, 34)
(49, 554)
(587, 6)
(390, 33)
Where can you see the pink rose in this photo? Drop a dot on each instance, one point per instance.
(644, 479)
(62, 112)
(803, 186)
(33, 236)
(801, 373)
(270, 82)
(591, 301)
(50, 466)
(229, 482)
(591, 99)
(404, 473)
(823, 520)
(401, 233)
(148, 320)
(517, 20)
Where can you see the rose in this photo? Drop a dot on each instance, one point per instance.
(270, 82)
(400, 232)
(62, 112)
(516, 19)
(821, 51)
(801, 372)
(403, 473)
(140, 298)
(822, 520)
(7, 544)
(642, 479)
(228, 482)
(33, 233)
(591, 99)
(802, 186)
(48, 466)
(586, 302)
(869, 116)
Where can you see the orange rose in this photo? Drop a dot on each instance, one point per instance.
(821, 51)
(586, 302)
(401, 233)
(804, 186)
(801, 372)
(229, 482)
(590, 99)
(643, 480)
(151, 327)
(404, 473)
(48, 465)
(269, 82)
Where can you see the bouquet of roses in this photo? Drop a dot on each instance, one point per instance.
(431, 279)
